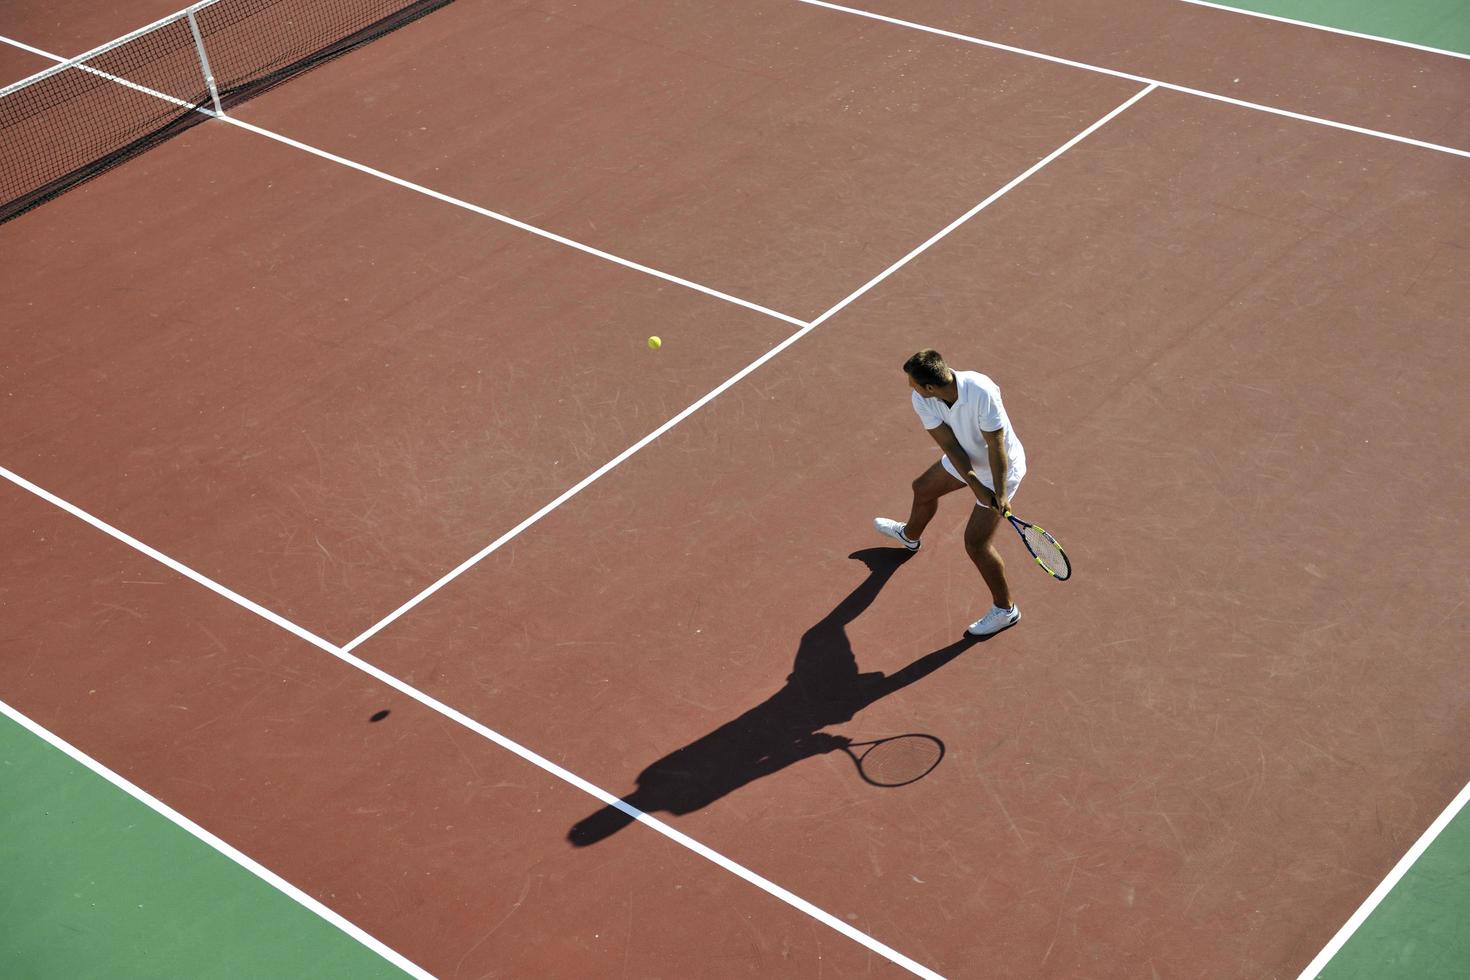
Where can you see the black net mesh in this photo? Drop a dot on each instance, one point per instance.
(72, 122)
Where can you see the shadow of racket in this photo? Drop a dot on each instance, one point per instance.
(897, 760)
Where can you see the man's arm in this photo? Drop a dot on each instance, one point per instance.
(1000, 467)
(944, 435)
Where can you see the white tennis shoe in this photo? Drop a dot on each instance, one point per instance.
(894, 530)
(995, 621)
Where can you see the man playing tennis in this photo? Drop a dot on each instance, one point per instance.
(963, 412)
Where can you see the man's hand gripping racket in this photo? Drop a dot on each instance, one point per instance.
(1043, 547)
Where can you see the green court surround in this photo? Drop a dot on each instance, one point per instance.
(95, 884)
(1443, 24)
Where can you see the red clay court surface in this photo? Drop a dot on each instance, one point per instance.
(1231, 341)
(16, 64)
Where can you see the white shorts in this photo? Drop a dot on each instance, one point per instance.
(1013, 478)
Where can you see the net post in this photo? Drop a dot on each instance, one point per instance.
(204, 62)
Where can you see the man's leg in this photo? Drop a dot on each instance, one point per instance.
(980, 545)
(978, 542)
(932, 484)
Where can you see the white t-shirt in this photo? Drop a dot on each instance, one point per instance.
(977, 410)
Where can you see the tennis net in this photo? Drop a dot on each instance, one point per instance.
(75, 120)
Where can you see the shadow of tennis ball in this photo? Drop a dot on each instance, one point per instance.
(379, 716)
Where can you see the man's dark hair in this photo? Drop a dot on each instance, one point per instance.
(927, 367)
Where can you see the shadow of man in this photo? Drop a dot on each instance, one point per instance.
(824, 688)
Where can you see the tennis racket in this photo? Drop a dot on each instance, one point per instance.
(1043, 547)
(895, 761)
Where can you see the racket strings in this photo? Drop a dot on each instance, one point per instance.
(1047, 551)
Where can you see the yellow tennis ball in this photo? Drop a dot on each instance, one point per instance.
(654, 343)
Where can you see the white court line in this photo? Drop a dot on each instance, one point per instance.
(505, 219)
(459, 718)
(986, 203)
(1386, 885)
(419, 188)
(506, 743)
(162, 96)
(1141, 79)
(254, 867)
(43, 54)
(806, 328)
(1331, 30)
(344, 654)
(92, 52)
(585, 482)
(163, 559)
